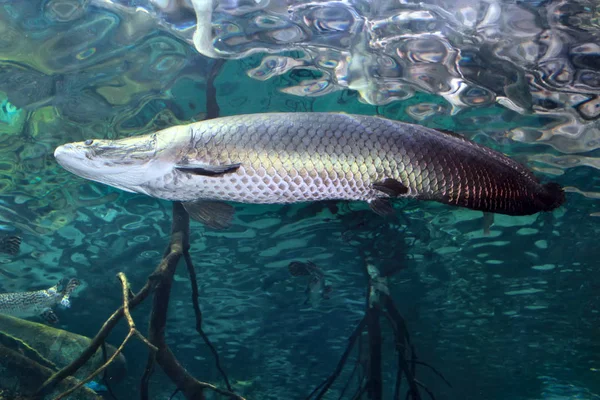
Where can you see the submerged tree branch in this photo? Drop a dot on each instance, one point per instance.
(198, 314)
(159, 282)
(340, 365)
(189, 386)
(374, 380)
(380, 305)
(132, 331)
(94, 345)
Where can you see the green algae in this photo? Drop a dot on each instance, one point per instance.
(56, 346)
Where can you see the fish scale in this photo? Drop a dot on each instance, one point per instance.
(305, 172)
(299, 157)
(341, 156)
(29, 302)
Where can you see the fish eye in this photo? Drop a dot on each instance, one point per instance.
(88, 142)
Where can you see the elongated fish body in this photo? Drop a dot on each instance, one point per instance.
(299, 157)
(37, 303)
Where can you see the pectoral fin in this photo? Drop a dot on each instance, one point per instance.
(214, 214)
(207, 169)
(49, 316)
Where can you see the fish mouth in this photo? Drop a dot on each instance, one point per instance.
(84, 161)
(105, 156)
(61, 150)
(70, 157)
(123, 164)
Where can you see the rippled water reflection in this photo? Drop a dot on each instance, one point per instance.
(537, 57)
(520, 305)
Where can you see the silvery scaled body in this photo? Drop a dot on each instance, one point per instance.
(298, 157)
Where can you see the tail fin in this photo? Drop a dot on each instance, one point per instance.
(552, 196)
(67, 290)
(71, 286)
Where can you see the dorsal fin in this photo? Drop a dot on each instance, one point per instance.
(453, 134)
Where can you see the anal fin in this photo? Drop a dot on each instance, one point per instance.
(214, 214)
(391, 187)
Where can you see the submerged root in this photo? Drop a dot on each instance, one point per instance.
(159, 283)
(380, 305)
(132, 332)
(186, 383)
(94, 345)
(198, 315)
(324, 387)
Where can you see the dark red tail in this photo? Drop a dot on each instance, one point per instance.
(551, 196)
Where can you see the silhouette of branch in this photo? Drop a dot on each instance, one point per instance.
(105, 379)
(340, 365)
(435, 371)
(360, 392)
(132, 332)
(198, 314)
(374, 379)
(380, 304)
(349, 381)
(426, 389)
(189, 386)
(159, 282)
(94, 345)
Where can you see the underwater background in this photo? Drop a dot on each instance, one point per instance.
(509, 315)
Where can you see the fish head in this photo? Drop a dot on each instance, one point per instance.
(124, 164)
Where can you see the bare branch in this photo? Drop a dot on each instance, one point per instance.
(132, 331)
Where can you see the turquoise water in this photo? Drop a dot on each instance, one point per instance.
(509, 315)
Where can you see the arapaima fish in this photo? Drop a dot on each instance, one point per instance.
(39, 302)
(299, 157)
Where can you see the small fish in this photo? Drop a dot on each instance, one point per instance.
(316, 288)
(10, 244)
(299, 157)
(96, 387)
(39, 302)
